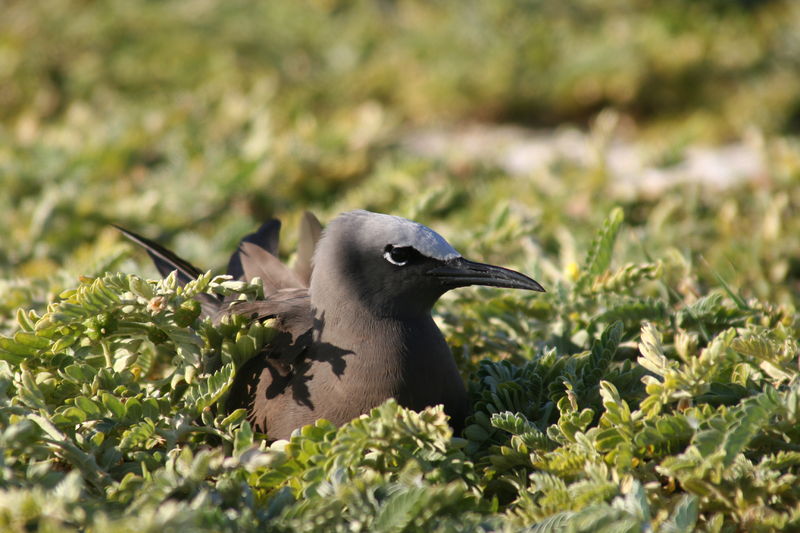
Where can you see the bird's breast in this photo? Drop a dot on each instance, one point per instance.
(408, 360)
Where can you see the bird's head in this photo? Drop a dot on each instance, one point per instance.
(396, 267)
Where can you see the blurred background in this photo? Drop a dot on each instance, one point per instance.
(512, 127)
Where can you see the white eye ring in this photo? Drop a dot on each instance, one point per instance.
(388, 256)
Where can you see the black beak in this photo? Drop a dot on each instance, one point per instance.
(460, 272)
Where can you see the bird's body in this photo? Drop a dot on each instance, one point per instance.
(336, 380)
(354, 330)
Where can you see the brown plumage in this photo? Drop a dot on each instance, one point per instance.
(353, 318)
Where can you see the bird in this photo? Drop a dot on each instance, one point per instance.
(353, 319)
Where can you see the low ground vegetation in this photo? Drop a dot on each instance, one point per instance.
(653, 387)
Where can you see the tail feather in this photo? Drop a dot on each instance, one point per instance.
(167, 261)
(258, 262)
(256, 256)
(266, 237)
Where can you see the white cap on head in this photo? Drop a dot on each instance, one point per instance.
(400, 232)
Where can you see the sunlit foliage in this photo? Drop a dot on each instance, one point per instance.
(653, 387)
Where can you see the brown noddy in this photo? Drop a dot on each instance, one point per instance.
(354, 325)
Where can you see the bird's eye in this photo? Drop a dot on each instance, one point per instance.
(399, 256)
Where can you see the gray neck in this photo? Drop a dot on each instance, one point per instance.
(349, 325)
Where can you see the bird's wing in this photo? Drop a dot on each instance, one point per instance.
(310, 231)
(291, 309)
(166, 261)
(275, 366)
